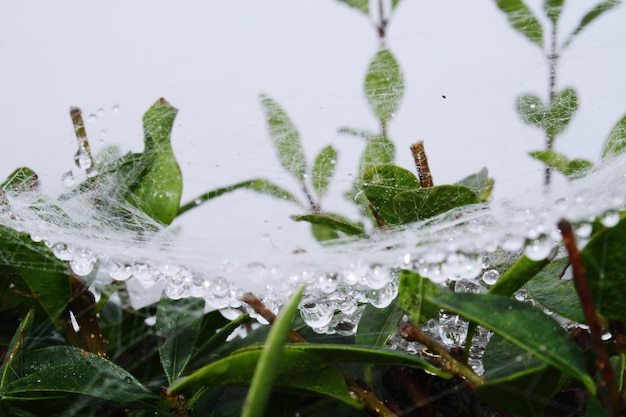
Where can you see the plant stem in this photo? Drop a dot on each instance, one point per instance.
(451, 364)
(553, 59)
(421, 164)
(83, 143)
(608, 385)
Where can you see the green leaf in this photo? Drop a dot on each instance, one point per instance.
(214, 331)
(333, 221)
(378, 151)
(616, 142)
(576, 168)
(160, 187)
(522, 325)
(592, 15)
(522, 19)
(424, 203)
(323, 170)
(70, 370)
(259, 185)
(394, 4)
(413, 293)
(285, 137)
(516, 381)
(553, 9)
(603, 258)
(382, 183)
(362, 5)
(561, 112)
(377, 325)
(266, 370)
(556, 294)
(532, 110)
(34, 271)
(20, 180)
(517, 276)
(324, 233)
(12, 362)
(384, 86)
(480, 183)
(178, 322)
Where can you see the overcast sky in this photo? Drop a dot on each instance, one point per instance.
(212, 59)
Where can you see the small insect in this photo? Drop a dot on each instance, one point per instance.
(443, 96)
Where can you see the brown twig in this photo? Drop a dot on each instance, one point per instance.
(81, 136)
(421, 164)
(449, 363)
(608, 385)
(83, 307)
(373, 405)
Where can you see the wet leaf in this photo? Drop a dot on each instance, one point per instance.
(159, 189)
(384, 85)
(576, 168)
(323, 170)
(532, 110)
(324, 233)
(556, 294)
(517, 382)
(11, 365)
(70, 370)
(517, 276)
(480, 183)
(603, 258)
(267, 368)
(424, 203)
(592, 15)
(378, 150)
(616, 142)
(20, 180)
(553, 9)
(377, 325)
(36, 273)
(413, 293)
(285, 138)
(362, 5)
(523, 325)
(382, 183)
(561, 112)
(333, 221)
(178, 322)
(522, 19)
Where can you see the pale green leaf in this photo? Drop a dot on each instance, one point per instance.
(384, 85)
(362, 5)
(323, 170)
(616, 142)
(522, 19)
(553, 9)
(592, 15)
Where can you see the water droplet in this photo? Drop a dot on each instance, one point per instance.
(540, 248)
(452, 329)
(468, 286)
(583, 230)
(491, 277)
(83, 262)
(68, 179)
(610, 218)
(100, 112)
(377, 276)
(83, 160)
(168, 269)
(128, 380)
(317, 314)
(175, 293)
(119, 271)
(512, 242)
(561, 204)
(92, 118)
(63, 251)
(115, 109)
(327, 283)
(141, 270)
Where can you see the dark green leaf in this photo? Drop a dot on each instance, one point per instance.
(553, 9)
(66, 369)
(413, 291)
(616, 142)
(592, 15)
(34, 271)
(333, 221)
(259, 185)
(516, 381)
(384, 86)
(424, 203)
(362, 5)
(285, 137)
(517, 275)
(178, 322)
(323, 170)
(532, 110)
(214, 331)
(480, 183)
(604, 258)
(22, 179)
(573, 169)
(12, 362)
(160, 187)
(382, 183)
(561, 112)
(556, 294)
(522, 325)
(522, 19)
(377, 325)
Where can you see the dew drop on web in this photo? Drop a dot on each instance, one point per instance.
(610, 218)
